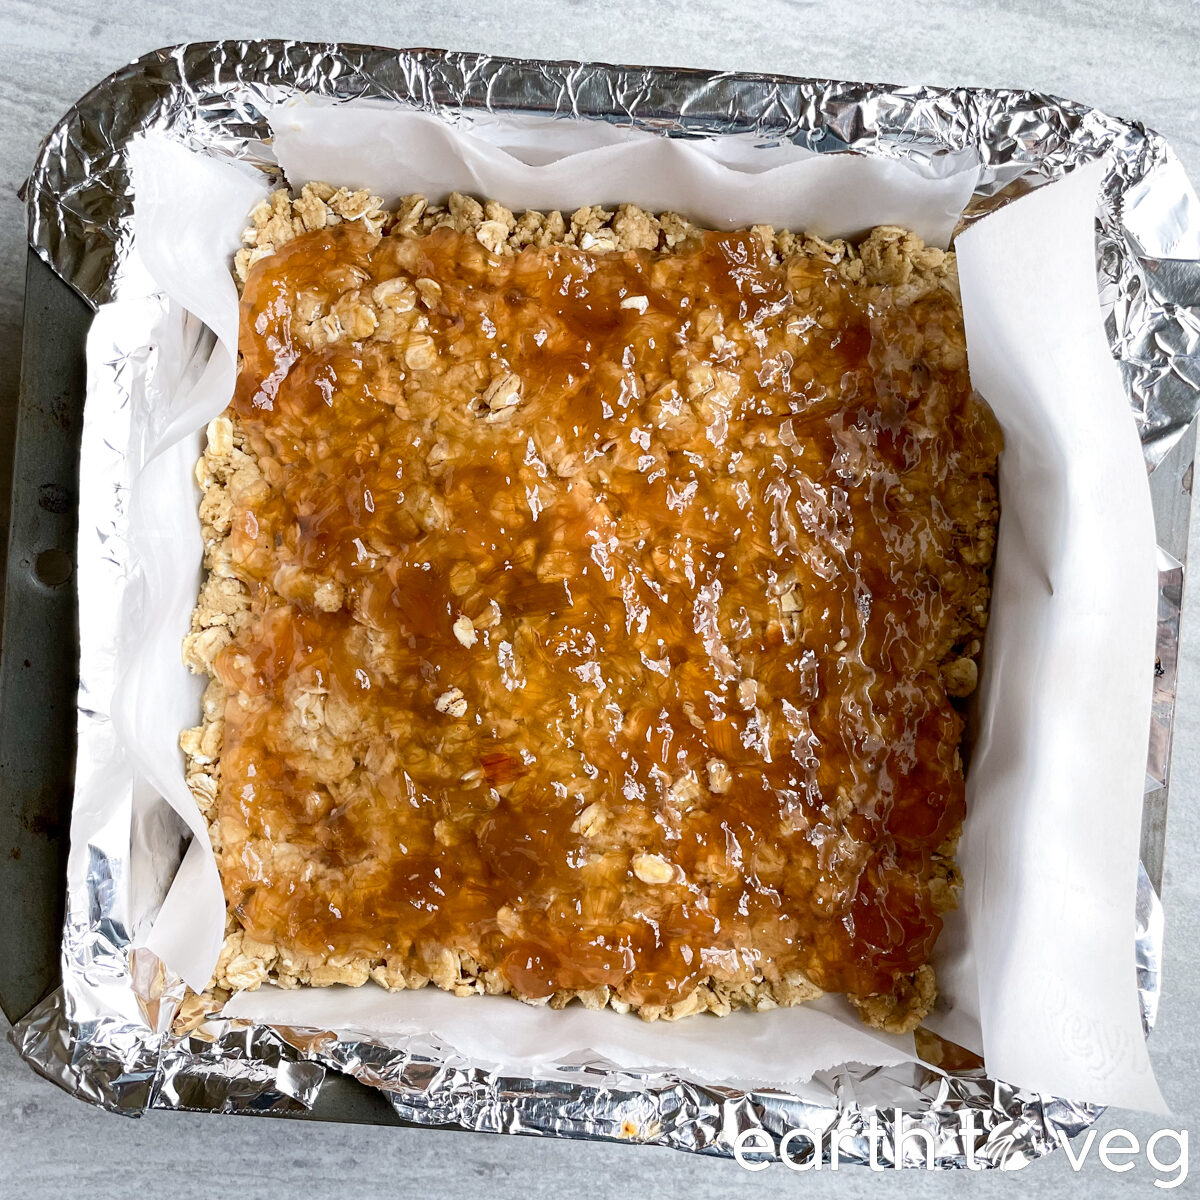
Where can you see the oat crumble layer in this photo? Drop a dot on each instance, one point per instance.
(587, 608)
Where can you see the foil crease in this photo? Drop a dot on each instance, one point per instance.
(106, 1036)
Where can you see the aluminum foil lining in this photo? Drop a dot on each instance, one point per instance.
(105, 1036)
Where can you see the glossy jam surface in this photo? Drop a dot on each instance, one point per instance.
(599, 609)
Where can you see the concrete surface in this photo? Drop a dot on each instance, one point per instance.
(1129, 58)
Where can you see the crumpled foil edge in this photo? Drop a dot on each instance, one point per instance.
(106, 1036)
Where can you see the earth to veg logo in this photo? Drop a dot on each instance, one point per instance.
(910, 1144)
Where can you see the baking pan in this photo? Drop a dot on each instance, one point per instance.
(39, 653)
(39, 641)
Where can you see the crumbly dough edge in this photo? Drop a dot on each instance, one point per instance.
(889, 259)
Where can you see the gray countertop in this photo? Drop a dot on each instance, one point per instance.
(1133, 59)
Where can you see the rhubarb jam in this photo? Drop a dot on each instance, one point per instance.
(601, 612)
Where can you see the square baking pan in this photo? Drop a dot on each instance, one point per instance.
(39, 660)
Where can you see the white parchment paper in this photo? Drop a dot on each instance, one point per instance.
(1054, 795)
(1055, 787)
(721, 183)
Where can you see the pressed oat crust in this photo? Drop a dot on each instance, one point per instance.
(890, 258)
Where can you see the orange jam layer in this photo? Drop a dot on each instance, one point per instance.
(600, 605)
